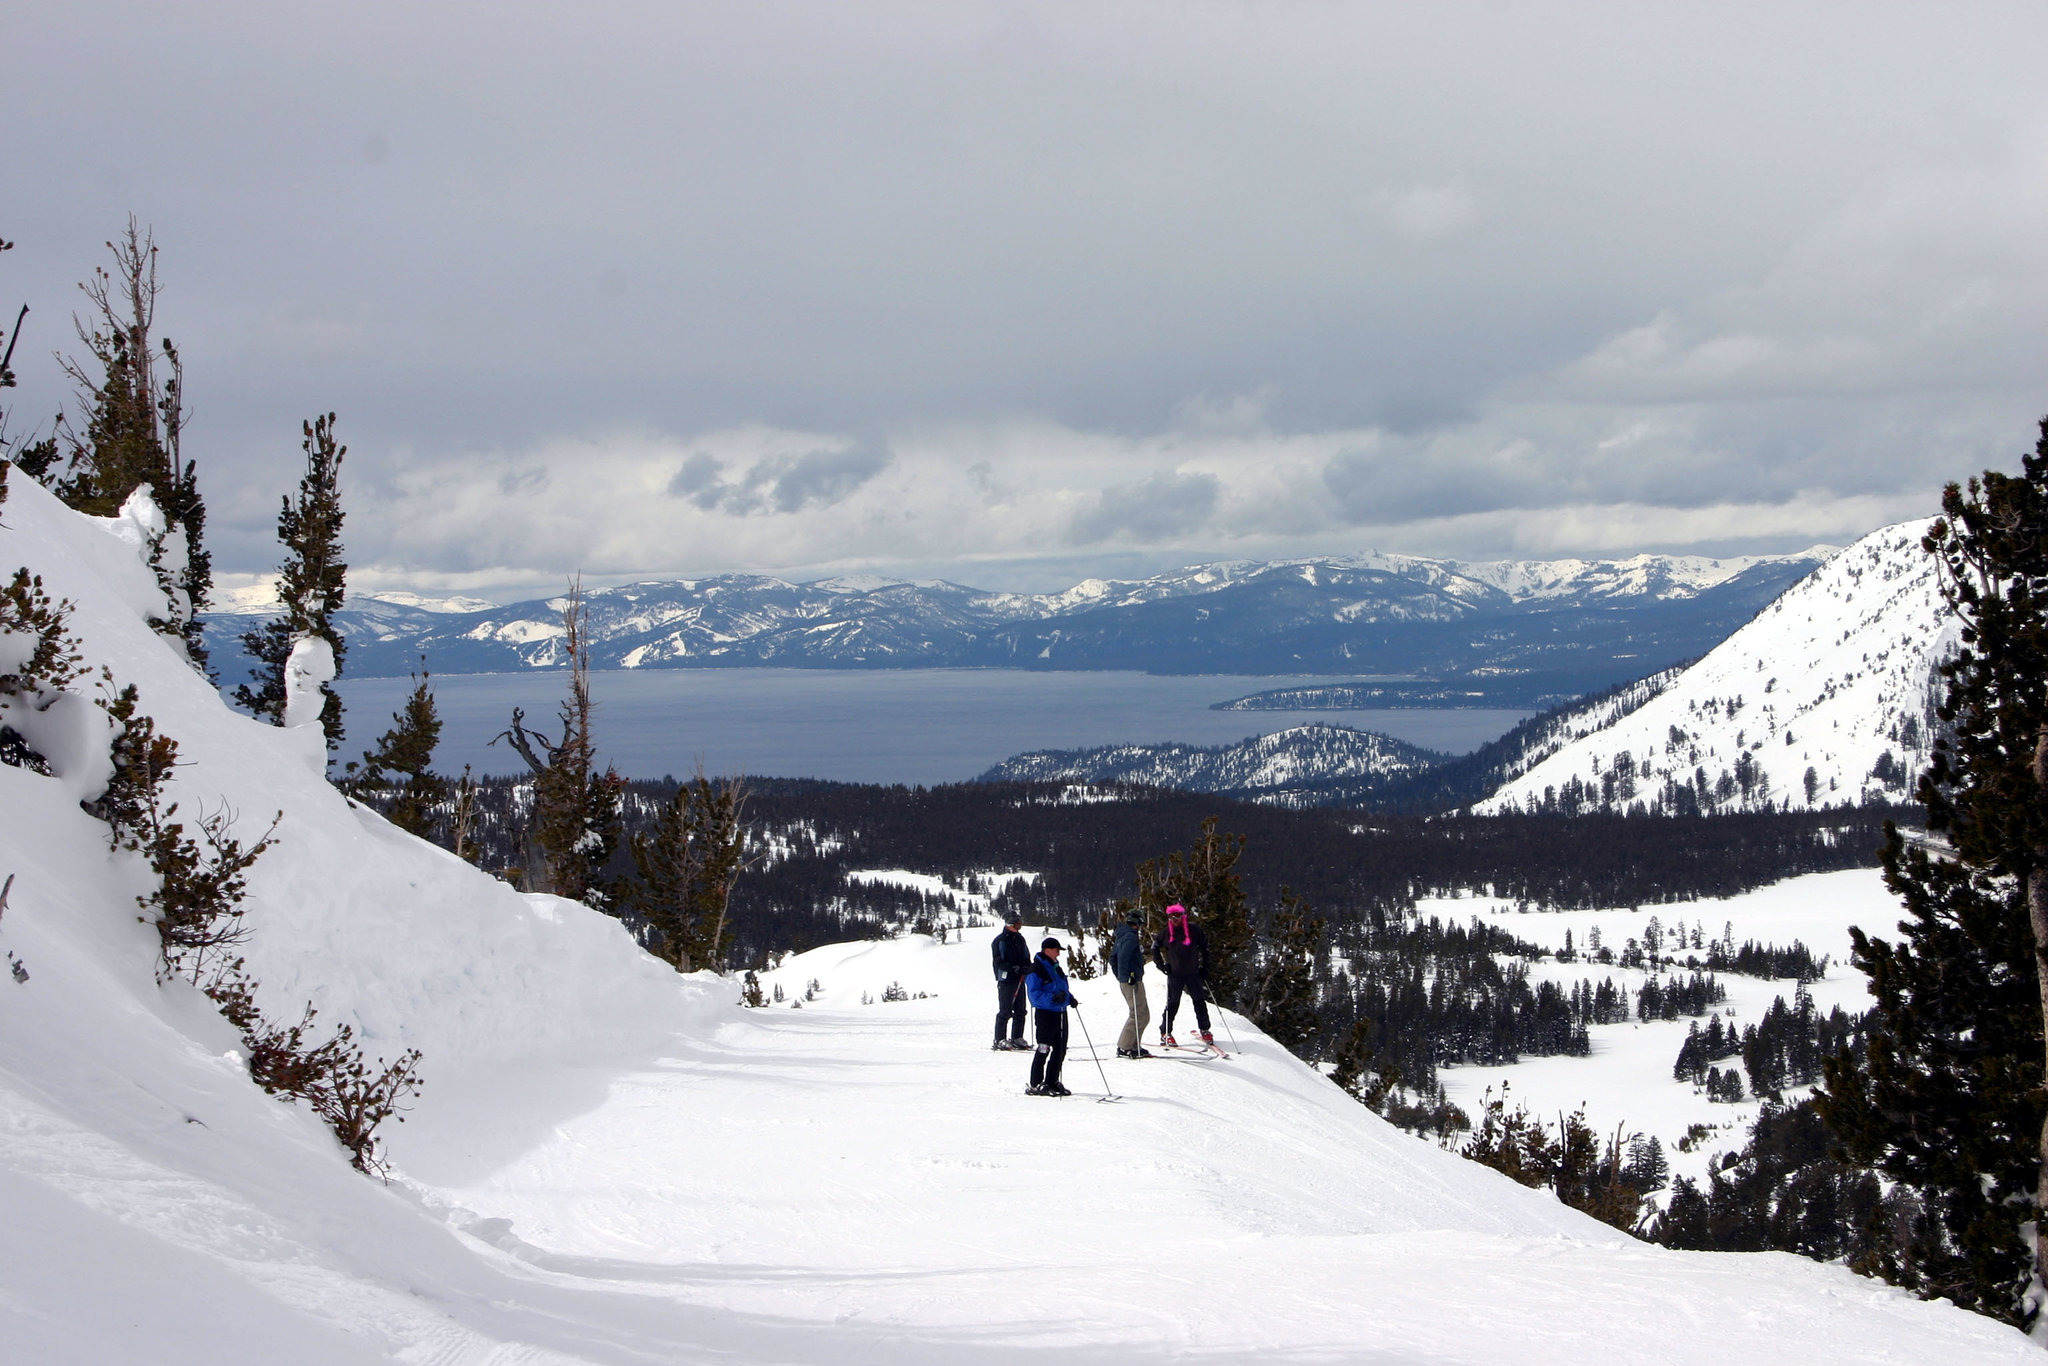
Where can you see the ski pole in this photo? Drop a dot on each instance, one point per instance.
(1106, 1096)
(1227, 1029)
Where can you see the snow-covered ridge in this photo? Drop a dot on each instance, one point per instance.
(1825, 699)
(1653, 575)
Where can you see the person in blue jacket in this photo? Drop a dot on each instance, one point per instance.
(1050, 1000)
(1127, 963)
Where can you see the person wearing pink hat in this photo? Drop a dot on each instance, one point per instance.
(1181, 951)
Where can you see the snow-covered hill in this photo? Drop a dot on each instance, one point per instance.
(1303, 765)
(611, 1164)
(1825, 699)
(1322, 764)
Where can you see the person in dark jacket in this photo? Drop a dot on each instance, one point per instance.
(1050, 1000)
(1011, 957)
(1127, 964)
(1181, 951)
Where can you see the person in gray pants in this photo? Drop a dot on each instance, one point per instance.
(1127, 964)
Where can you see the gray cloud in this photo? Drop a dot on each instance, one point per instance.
(698, 480)
(822, 478)
(1162, 507)
(1673, 261)
(782, 483)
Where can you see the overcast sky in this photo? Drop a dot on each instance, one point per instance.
(1015, 292)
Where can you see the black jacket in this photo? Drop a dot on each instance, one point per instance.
(1009, 954)
(1182, 960)
(1127, 959)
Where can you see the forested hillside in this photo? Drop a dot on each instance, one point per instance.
(1083, 843)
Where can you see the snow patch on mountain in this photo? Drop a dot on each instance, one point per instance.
(1825, 699)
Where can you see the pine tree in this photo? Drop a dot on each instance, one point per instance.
(183, 561)
(1286, 997)
(1948, 1100)
(121, 447)
(1362, 1071)
(400, 768)
(134, 433)
(687, 866)
(577, 816)
(45, 659)
(312, 584)
(1205, 880)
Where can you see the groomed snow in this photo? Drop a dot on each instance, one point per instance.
(611, 1164)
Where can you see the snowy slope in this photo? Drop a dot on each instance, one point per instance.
(1833, 679)
(611, 1164)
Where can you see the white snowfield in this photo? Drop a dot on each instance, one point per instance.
(1832, 679)
(1627, 1082)
(612, 1164)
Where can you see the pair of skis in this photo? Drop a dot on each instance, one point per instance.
(1194, 1051)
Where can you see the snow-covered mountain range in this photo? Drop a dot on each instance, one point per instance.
(1516, 632)
(1825, 699)
(614, 1164)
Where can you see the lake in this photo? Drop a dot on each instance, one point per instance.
(882, 726)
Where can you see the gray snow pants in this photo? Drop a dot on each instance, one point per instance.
(1140, 1016)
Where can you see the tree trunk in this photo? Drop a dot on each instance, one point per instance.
(2037, 912)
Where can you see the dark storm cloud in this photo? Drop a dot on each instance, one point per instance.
(784, 484)
(1666, 257)
(1154, 509)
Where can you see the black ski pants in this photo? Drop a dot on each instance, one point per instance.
(1197, 991)
(1051, 1027)
(1010, 1006)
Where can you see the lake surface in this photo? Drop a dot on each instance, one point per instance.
(881, 726)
